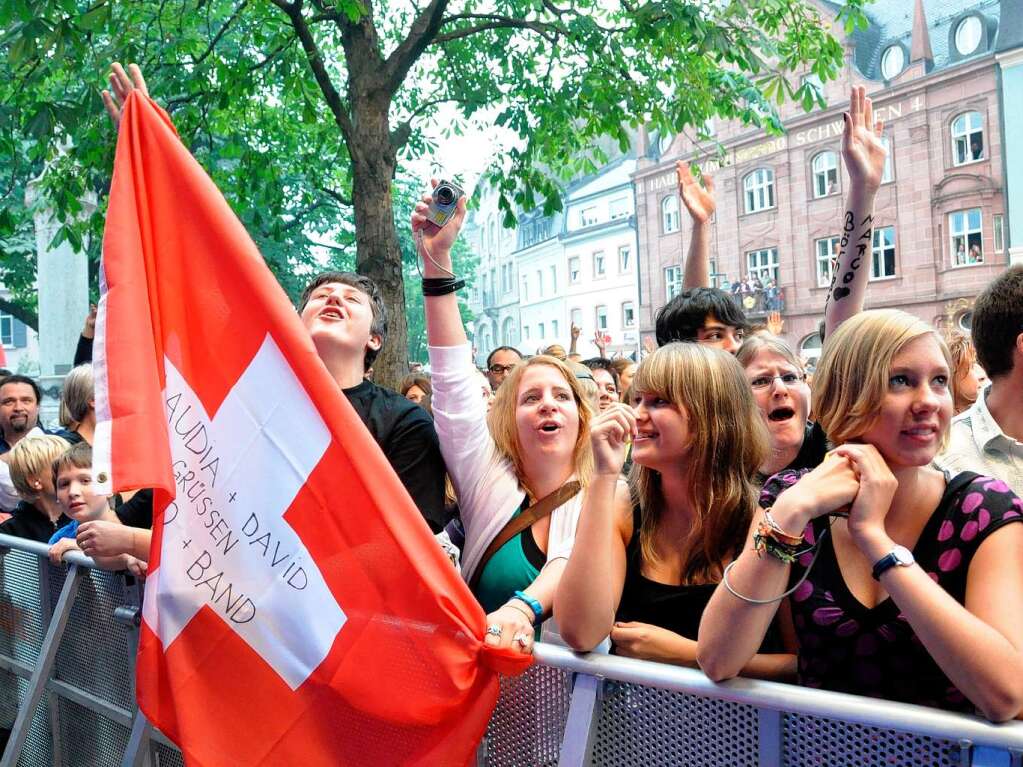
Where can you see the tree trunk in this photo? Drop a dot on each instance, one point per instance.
(377, 253)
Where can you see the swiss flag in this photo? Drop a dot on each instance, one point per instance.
(298, 610)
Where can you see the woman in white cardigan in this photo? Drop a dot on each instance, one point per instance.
(536, 443)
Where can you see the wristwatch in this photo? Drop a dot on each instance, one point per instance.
(899, 556)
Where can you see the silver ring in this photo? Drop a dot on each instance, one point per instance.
(522, 639)
(494, 630)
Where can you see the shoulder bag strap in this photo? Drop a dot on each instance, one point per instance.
(542, 508)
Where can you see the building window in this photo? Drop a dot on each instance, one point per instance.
(889, 161)
(525, 332)
(599, 265)
(825, 174)
(601, 318)
(573, 270)
(759, 186)
(554, 280)
(588, 216)
(810, 348)
(6, 330)
(999, 226)
(619, 208)
(507, 332)
(882, 255)
(827, 257)
(539, 284)
(492, 236)
(669, 214)
(624, 256)
(554, 329)
(628, 315)
(672, 281)
(576, 317)
(968, 34)
(506, 278)
(525, 287)
(892, 61)
(540, 330)
(763, 264)
(967, 138)
(967, 241)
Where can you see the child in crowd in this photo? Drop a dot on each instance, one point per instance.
(38, 516)
(646, 560)
(72, 478)
(903, 582)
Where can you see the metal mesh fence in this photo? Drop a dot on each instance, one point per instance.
(89, 739)
(811, 741)
(529, 722)
(645, 726)
(38, 750)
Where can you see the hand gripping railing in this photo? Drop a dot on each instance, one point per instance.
(68, 637)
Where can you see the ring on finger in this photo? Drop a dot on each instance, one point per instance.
(521, 639)
(495, 630)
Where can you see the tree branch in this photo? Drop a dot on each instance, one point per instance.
(312, 52)
(420, 36)
(221, 32)
(18, 311)
(549, 32)
(339, 198)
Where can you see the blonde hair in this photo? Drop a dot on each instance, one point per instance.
(757, 343)
(556, 350)
(852, 376)
(727, 444)
(31, 458)
(505, 432)
(963, 356)
(79, 390)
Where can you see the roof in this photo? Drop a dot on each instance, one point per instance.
(891, 21)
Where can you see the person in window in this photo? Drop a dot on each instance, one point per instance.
(647, 559)
(534, 445)
(960, 252)
(975, 257)
(976, 148)
(904, 582)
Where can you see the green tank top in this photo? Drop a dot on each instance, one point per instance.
(512, 568)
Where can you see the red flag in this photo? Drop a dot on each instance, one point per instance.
(298, 610)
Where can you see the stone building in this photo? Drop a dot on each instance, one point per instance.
(934, 69)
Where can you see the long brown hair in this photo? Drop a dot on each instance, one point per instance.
(506, 434)
(728, 443)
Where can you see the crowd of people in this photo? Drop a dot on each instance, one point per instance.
(706, 506)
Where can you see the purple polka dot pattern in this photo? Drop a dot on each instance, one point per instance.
(847, 646)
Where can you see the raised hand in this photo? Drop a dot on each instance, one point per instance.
(699, 201)
(575, 331)
(436, 240)
(600, 342)
(775, 324)
(862, 150)
(121, 85)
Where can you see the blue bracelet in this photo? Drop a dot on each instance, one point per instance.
(533, 604)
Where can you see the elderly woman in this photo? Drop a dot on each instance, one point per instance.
(517, 481)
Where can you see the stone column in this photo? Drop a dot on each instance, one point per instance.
(62, 277)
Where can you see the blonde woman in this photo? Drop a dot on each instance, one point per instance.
(903, 583)
(966, 373)
(645, 562)
(537, 444)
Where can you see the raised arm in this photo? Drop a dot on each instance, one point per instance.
(700, 203)
(864, 157)
(591, 585)
(121, 84)
(443, 321)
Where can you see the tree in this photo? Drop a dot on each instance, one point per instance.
(304, 110)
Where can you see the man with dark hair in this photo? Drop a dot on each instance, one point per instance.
(606, 378)
(988, 436)
(19, 409)
(702, 315)
(346, 318)
(499, 364)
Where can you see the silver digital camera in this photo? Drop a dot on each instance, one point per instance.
(445, 199)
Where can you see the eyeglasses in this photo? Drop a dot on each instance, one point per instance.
(765, 382)
(498, 369)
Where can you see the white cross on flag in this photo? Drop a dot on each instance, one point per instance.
(298, 610)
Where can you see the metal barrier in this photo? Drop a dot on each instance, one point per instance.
(67, 650)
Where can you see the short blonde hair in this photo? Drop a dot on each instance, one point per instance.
(31, 458)
(727, 444)
(505, 431)
(755, 344)
(852, 376)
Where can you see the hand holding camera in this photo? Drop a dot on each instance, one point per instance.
(436, 222)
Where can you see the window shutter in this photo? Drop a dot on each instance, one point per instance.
(20, 334)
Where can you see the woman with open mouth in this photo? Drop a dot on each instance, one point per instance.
(647, 559)
(517, 473)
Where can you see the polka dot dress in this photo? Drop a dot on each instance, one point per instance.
(846, 647)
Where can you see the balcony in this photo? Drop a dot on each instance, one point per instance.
(759, 302)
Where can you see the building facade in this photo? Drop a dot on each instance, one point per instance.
(940, 215)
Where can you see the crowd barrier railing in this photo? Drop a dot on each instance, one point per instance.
(68, 637)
